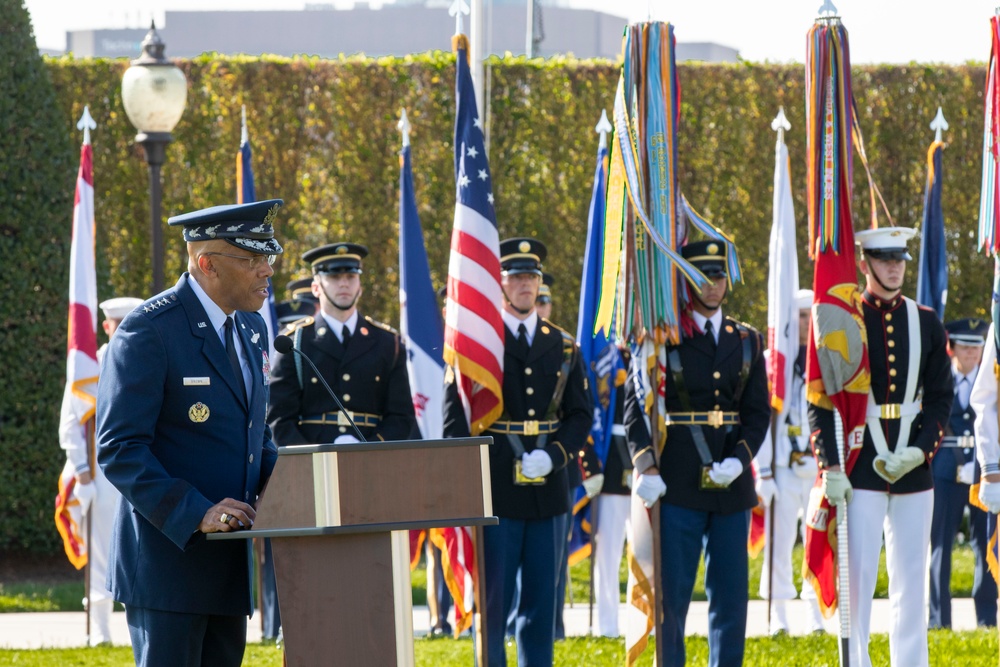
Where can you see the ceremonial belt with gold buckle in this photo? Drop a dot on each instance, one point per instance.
(532, 427)
(340, 419)
(963, 441)
(713, 418)
(894, 410)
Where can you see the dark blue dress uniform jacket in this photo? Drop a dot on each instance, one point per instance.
(175, 435)
(889, 356)
(947, 461)
(369, 376)
(539, 372)
(711, 375)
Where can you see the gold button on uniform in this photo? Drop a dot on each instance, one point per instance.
(889, 329)
(892, 343)
(892, 387)
(888, 317)
(343, 429)
(716, 375)
(529, 391)
(531, 412)
(527, 371)
(716, 392)
(892, 372)
(347, 397)
(892, 358)
(347, 377)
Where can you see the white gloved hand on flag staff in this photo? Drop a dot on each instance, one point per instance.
(593, 485)
(766, 489)
(989, 495)
(650, 488)
(85, 493)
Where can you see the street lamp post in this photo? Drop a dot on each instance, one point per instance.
(154, 92)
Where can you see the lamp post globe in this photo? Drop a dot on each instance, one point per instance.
(154, 93)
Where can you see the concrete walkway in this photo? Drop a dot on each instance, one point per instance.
(67, 629)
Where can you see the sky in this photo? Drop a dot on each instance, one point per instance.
(881, 31)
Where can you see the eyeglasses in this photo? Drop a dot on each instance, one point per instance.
(256, 261)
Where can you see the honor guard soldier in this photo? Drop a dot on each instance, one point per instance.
(954, 471)
(787, 473)
(363, 361)
(98, 498)
(301, 302)
(543, 304)
(547, 409)
(181, 434)
(890, 487)
(717, 412)
(611, 524)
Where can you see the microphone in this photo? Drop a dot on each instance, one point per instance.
(284, 345)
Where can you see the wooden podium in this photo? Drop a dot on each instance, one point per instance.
(338, 517)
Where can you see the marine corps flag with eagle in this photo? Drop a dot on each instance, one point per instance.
(837, 371)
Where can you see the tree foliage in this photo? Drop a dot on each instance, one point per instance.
(325, 140)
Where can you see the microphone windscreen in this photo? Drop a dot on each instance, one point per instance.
(283, 344)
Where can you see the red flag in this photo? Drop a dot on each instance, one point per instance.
(837, 372)
(80, 396)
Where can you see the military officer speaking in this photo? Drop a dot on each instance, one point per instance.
(889, 489)
(715, 395)
(546, 410)
(363, 361)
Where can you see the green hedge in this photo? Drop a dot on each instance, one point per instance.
(325, 140)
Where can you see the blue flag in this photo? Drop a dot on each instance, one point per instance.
(932, 276)
(419, 314)
(246, 194)
(601, 358)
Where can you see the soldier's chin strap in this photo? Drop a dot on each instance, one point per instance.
(697, 297)
(336, 305)
(518, 310)
(874, 274)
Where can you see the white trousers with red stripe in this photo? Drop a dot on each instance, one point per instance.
(905, 520)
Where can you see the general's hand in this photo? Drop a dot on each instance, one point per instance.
(593, 484)
(650, 488)
(227, 515)
(726, 472)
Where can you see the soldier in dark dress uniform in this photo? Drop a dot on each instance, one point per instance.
(363, 361)
(953, 470)
(717, 413)
(908, 406)
(547, 410)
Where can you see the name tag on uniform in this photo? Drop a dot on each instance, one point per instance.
(197, 382)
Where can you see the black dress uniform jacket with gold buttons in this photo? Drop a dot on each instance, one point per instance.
(528, 385)
(712, 379)
(369, 376)
(888, 353)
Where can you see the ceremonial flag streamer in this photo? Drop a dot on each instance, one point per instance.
(837, 358)
(474, 330)
(80, 395)
(599, 353)
(245, 194)
(989, 239)
(932, 276)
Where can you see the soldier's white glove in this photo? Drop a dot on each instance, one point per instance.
(766, 489)
(903, 461)
(989, 495)
(836, 487)
(967, 473)
(726, 471)
(650, 488)
(536, 464)
(593, 485)
(85, 494)
(345, 439)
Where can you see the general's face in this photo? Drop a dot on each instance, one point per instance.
(242, 279)
(521, 290)
(340, 289)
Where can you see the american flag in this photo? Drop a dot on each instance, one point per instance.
(474, 335)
